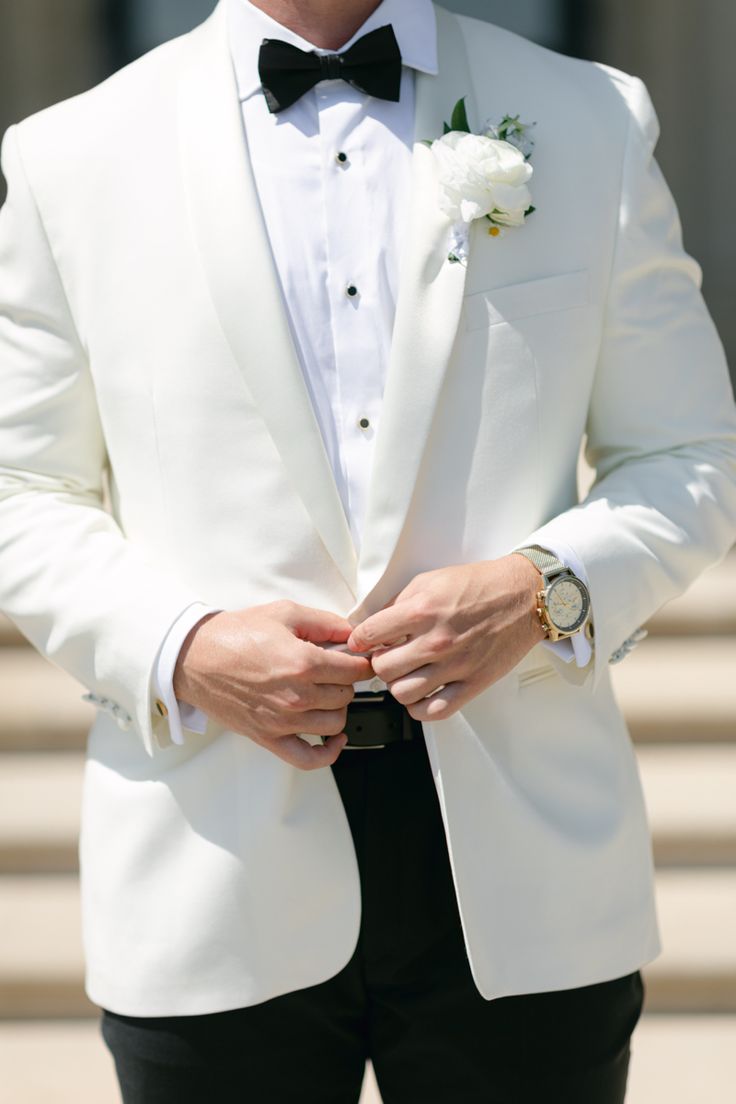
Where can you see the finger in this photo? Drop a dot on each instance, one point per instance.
(307, 757)
(299, 698)
(391, 664)
(317, 626)
(327, 696)
(417, 685)
(339, 668)
(320, 722)
(387, 627)
(443, 703)
(343, 648)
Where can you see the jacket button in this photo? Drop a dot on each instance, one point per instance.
(351, 290)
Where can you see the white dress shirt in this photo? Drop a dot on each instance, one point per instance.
(333, 177)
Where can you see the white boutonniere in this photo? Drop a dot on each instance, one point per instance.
(483, 176)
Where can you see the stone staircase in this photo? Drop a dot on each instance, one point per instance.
(679, 693)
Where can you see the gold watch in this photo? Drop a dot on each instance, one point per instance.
(564, 600)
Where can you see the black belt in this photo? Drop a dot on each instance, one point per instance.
(375, 720)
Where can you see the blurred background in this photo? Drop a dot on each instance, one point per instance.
(678, 690)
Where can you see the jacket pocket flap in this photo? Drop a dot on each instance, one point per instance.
(504, 304)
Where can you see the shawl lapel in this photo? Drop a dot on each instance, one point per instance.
(427, 319)
(239, 266)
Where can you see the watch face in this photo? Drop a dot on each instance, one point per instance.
(567, 603)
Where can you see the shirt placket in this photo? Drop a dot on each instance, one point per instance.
(353, 275)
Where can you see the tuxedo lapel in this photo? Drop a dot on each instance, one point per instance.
(427, 317)
(239, 266)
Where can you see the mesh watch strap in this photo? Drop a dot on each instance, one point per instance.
(543, 560)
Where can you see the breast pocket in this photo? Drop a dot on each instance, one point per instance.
(552, 294)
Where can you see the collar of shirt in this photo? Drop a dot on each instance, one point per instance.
(414, 23)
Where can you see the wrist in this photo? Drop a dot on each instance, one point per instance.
(563, 602)
(529, 582)
(184, 680)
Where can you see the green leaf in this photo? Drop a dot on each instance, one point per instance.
(446, 129)
(459, 119)
(529, 211)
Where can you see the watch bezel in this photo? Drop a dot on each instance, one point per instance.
(567, 577)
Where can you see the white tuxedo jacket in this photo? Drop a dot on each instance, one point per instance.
(143, 340)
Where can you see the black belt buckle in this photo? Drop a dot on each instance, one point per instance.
(376, 720)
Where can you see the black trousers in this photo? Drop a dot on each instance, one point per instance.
(406, 1000)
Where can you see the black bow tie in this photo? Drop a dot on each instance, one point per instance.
(372, 65)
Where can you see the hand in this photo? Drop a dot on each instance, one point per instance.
(262, 673)
(451, 633)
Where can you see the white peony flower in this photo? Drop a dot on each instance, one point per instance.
(482, 176)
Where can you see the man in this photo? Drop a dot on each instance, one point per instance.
(340, 430)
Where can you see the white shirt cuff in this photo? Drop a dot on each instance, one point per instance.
(180, 715)
(576, 647)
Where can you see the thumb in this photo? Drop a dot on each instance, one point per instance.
(358, 642)
(319, 626)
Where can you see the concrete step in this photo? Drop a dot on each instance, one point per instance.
(691, 798)
(41, 956)
(690, 791)
(683, 1060)
(41, 962)
(675, 1060)
(56, 1062)
(41, 707)
(708, 608)
(40, 797)
(678, 690)
(697, 971)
